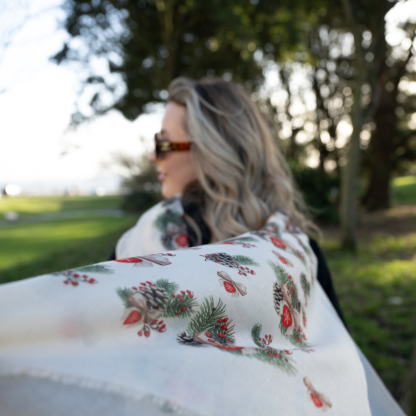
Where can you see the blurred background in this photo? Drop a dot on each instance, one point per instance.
(82, 92)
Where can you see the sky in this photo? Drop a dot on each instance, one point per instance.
(35, 143)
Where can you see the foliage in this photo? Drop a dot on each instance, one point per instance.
(140, 201)
(320, 191)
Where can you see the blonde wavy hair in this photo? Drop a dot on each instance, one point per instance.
(240, 168)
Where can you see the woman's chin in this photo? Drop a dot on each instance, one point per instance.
(167, 191)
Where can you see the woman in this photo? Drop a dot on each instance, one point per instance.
(236, 327)
(216, 150)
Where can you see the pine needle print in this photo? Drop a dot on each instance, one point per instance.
(124, 294)
(256, 334)
(212, 320)
(245, 261)
(280, 273)
(166, 217)
(170, 287)
(94, 268)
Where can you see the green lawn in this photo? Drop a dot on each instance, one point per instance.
(25, 243)
(403, 190)
(40, 205)
(31, 249)
(376, 286)
(377, 292)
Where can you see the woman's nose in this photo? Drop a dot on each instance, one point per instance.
(152, 156)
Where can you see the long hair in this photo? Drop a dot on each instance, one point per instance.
(243, 174)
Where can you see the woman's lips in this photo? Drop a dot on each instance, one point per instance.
(161, 177)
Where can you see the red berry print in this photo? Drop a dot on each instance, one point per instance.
(140, 333)
(208, 334)
(147, 334)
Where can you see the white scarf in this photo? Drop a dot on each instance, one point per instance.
(240, 327)
(161, 228)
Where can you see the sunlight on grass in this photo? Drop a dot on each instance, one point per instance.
(403, 190)
(26, 243)
(404, 181)
(40, 205)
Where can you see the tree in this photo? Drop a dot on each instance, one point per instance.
(146, 44)
(130, 51)
(391, 143)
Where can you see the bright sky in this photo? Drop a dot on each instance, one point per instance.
(35, 112)
(36, 108)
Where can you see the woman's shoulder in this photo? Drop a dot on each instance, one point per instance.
(147, 235)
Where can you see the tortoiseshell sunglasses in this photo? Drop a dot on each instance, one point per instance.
(163, 146)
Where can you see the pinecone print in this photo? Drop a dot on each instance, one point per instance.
(223, 259)
(156, 298)
(297, 305)
(226, 260)
(306, 287)
(167, 242)
(304, 283)
(187, 340)
(277, 296)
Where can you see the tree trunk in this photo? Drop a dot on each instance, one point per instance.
(378, 193)
(348, 208)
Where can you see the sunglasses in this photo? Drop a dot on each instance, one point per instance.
(164, 146)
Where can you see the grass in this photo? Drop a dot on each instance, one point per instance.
(376, 286)
(84, 252)
(25, 206)
(403, 190)
(25, 243)
(48, 246)
(377, 292)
